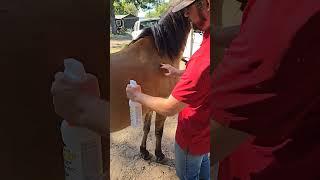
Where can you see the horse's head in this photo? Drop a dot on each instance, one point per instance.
(169, 34)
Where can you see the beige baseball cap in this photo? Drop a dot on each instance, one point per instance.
(182, 4)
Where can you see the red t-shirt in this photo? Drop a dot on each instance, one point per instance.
(194, 89)
(268, 85)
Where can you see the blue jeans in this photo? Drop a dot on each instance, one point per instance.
(191, 167)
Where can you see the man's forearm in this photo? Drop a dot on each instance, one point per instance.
(93, 114)
(224, 35)
(163, 106)
(179, 73)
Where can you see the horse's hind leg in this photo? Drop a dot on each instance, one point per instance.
(159, 124)
(146, 129)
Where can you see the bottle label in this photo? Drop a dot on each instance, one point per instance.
(72, 164)
(85, 164)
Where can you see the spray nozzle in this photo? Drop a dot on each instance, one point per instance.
(74, 69)
(133, 83)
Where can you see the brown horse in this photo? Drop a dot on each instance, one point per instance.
(140, 61)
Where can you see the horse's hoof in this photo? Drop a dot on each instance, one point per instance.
(145, 153)
(160, 157)
(146, 156)
(162, 160)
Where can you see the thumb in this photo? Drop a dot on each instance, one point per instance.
(58, 76)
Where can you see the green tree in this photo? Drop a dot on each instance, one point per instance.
(118, 7)
(130, 8)
(139, 4)
(143, 4)
(158, 11)
(122, 6)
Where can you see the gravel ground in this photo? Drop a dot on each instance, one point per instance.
(126, 163)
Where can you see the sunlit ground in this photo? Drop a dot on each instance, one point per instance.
(118, 42)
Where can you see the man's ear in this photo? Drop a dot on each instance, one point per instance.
(208, 5)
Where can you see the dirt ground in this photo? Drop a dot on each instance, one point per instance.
(125, 160)
(117, 42)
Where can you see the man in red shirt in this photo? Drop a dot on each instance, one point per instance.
(191, 98)
(266, 93)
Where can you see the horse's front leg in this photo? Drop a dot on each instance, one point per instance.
(159, 124)
(146, 129)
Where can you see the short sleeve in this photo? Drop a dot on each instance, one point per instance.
(194, 85)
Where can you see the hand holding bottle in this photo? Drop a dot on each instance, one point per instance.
(133, 91)
(135, 107)
(69, 93)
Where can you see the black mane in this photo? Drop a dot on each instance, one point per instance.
(169, 34)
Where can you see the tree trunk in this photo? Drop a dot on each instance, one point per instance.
(112, 19)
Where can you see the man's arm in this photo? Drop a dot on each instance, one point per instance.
(164, 106)
(224, 140)
(180, 72)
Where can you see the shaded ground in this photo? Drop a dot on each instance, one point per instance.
(125, 160)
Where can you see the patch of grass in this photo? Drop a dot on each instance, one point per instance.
(115, 49)
(124, 45)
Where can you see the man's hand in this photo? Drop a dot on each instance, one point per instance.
(172, 71)
(70, 95)
(133, 92)
(165, 106)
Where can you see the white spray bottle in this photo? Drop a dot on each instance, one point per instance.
(82, 151)
(135, 110)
